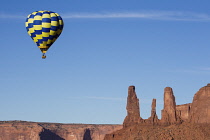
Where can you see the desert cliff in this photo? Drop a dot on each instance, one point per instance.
(21, 130)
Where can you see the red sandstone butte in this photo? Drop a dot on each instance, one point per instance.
(200, 108)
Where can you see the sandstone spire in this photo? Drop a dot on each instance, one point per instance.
(169, 110)
(133, 112)
(153, 118)
(200, 109)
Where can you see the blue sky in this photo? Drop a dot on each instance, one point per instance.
(106, 46)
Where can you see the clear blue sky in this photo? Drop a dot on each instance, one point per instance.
(106, 46)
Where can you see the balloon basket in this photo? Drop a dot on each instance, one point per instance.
(44, 56)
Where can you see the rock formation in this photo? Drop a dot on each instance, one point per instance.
(200, 109)
(183, 111)
(153, 119)
(133, 112)
(81, 131)
(19, 130)
(179, 122)
(169, 110)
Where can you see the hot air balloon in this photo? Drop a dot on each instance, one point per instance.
(44, 27)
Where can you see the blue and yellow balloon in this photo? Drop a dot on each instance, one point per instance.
(44, 27)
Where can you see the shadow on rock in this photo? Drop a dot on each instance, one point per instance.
(87, 135)
(49, 135)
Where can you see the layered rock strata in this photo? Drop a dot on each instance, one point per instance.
(19, 130)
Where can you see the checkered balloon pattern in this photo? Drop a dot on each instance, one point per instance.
(44, 27)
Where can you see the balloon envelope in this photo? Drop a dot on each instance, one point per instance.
(44, 27)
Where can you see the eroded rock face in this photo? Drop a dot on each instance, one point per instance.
(183, 111)
(133, 111)
(81, 131)
(19, 130)
(200, 109)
